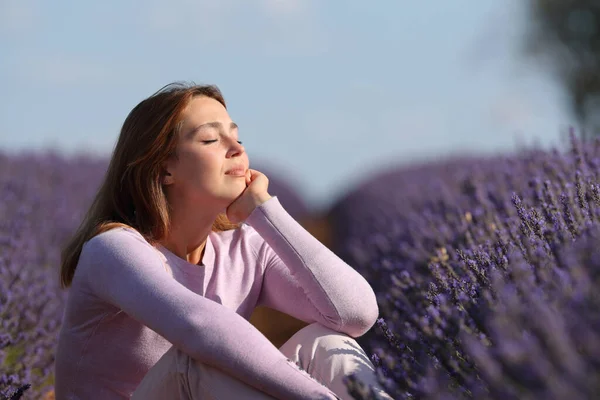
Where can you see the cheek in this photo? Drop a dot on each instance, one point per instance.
(196, 168)
(207, 170)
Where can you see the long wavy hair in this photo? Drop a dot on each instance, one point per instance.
(132, 193)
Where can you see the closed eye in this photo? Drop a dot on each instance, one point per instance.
(214, 140)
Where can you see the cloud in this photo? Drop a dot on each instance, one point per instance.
(18, 16)
(267, 26)
(510, 110)
(500, 34)
(56, 70)
(203, 17)
(207, 15)
(383, 131)
(277, 9)
(294, 27)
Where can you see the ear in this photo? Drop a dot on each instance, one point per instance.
(166, 176)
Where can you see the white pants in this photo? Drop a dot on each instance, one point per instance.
(325, 354)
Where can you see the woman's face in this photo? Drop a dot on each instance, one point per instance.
(207, 149)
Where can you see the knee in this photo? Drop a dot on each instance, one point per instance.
(334, 349)
(316, 329)
(321, 336)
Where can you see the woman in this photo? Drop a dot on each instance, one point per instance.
(180, 245)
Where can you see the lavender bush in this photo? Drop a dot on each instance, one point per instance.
(487, 275)
(43, 197)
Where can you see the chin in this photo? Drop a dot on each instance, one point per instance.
(237, 187)
(231, 194)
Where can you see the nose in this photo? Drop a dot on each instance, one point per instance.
(235, 149)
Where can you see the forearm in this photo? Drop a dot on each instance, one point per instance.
(230, 343)
(344, 299)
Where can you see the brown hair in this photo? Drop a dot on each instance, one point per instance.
(132, 193)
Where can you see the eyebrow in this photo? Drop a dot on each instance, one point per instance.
(214, 124)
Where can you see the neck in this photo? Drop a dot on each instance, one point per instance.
(189, 231)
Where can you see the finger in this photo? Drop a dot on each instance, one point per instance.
(253, 174)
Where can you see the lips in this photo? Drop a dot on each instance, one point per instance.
(237, 171)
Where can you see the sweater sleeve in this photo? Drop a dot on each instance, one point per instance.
(122, 269)
(306, 280)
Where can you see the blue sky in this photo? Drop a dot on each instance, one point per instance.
(324, 92)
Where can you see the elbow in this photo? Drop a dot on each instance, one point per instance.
(365, 319)
(193, 337)
(368, 320)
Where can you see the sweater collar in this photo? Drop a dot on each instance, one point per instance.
(207, 259)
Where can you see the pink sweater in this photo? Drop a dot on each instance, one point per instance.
(130, 302)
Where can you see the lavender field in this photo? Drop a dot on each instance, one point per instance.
(487, 271)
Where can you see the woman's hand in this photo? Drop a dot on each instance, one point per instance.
(254, 195)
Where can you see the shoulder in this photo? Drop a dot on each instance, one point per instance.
(116, 244)
(118, 237)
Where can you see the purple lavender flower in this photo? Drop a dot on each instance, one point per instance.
(491, 266)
